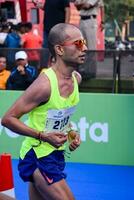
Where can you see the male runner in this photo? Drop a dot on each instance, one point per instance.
(51, 100)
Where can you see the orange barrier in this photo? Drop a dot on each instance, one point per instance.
(6, 175)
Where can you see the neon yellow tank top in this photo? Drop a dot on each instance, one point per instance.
(51, 116)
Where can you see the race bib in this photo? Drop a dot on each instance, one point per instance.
(58, 120)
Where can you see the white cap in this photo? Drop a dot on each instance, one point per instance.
(20, 55)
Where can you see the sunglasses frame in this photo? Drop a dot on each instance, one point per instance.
(78, 43)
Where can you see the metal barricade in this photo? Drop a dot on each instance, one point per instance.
(109, 71)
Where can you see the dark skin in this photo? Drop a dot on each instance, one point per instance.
(67, 60)
(25, 104)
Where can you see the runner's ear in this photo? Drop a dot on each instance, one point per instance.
(59, 50)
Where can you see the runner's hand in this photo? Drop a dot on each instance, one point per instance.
(75, 143)
(55, 139)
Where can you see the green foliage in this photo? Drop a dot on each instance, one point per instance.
(119, 10)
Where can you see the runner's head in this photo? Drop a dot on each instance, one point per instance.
(67, 43)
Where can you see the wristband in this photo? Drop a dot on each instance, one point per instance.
(38, 138)
(39, 135)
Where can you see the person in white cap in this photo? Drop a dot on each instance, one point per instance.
(23, 74)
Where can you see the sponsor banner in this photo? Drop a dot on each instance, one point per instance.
(105, 124)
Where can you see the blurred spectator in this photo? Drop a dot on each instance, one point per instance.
(3, 18)
(4, 74)
(23, 74)
(29, 39)
(32, 41)
(118, 43)
(21, 27)
(55, 11)
(88, 23)
(89, 10)
(3, 34)
(13, 38)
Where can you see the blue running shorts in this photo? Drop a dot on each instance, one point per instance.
(51, 166)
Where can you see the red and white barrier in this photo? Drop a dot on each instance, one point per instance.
(6, 175)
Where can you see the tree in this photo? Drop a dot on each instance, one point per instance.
(119, 12)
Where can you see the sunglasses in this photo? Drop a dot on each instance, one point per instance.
(78, 43)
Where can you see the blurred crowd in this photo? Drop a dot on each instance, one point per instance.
(21, 75)
(18, 72)
(19, 35)
(22, 36)
(15, 36)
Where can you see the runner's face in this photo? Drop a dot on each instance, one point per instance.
(74, 48)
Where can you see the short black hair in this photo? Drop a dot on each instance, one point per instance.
(28, 25)
(21, 25)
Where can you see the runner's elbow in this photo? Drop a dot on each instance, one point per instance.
(5, 121)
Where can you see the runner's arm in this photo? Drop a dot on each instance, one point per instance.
(37, 93)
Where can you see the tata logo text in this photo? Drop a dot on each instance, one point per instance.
(96, 131)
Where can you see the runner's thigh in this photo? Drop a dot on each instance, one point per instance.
(56, 191)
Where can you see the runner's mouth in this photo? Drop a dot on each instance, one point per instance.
(82, 57)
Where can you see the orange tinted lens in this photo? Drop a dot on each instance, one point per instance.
(80, 43)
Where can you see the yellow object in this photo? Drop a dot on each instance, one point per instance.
(71, 135)
(3, 78)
